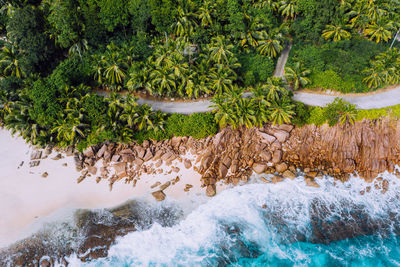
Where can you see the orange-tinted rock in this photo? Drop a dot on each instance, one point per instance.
(259, 168)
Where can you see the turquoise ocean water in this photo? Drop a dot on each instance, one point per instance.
(284, 224)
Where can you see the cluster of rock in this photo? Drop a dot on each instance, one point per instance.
(231, 156)
(128, 162)
(367, 147)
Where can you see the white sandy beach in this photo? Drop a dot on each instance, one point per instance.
(26, 197)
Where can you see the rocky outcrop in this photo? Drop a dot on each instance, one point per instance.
(367, 147)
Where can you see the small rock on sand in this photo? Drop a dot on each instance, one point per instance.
(159, 195)
(57, 157)
(265, 180)
(155, 185)
(80, 179)
(34, 163)
(211, 190)
(187, 163)
(165, 185)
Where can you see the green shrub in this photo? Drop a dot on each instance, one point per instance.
(9, 87)
(198, 125)
(302, 114)
(249, 78)
(72, 71)
(46, 108)
(316, 116)
(337, 65)
(260, 67)
(95, 106)
(337, 109)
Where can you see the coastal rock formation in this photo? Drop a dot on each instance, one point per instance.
(367, 147)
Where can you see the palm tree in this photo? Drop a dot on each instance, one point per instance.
(273, 4)
(130, 111)
(297, 76)
(205, 12)
(375, 76)
(288, 8)
(111, 67)
(337, 32)
(281, 112)
(68, 130)
(359, 15)
(224, 114)
(10, 63)
(143, 120)
(221, 79)
(158, 121)
(78, 48)
(269, 46)
(246, 113)
(185, 24)
(348, 116)
(139, 78)
(379, 30)
(163, 81)
(220, 50)
(274, 88)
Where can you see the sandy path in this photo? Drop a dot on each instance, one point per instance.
(370, 101)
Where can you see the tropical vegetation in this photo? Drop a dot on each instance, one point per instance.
(70, 70)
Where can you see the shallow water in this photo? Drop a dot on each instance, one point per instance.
(284, 224)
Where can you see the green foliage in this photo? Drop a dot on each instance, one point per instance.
(338, 65)
(296, 76)
(27, 32)
(317, 116)
(330, 79)
(232, 108)
(163, 14)
(198, 125)
(340, 110)
(72, 71)
(9, 89)
(314, 16)
(385, 69)
(94, 106)
(255, 68)
(140, 15)
(302, 114)
(113, 13)
(65, 19)
(46, 108)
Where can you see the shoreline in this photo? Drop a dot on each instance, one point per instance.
(224, 160)
(26, 197)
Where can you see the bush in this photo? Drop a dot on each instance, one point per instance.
(95, 106)
(197, 125)
(302, 114)
(316, 116)
(72, 71)
(337, 109)
(45, 105)
(255, 68)
(337, 65)
(9, 87)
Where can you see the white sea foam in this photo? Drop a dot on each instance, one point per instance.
(212, 232)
